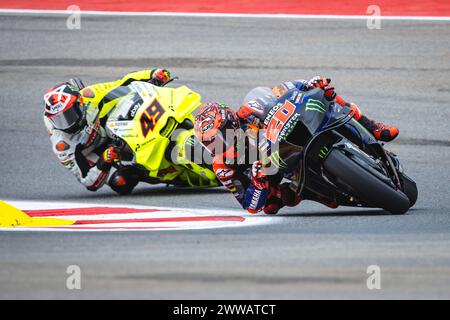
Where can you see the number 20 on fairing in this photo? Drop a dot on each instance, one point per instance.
(278, 120)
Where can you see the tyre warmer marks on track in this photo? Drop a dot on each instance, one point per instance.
(437, 8)
(82, 217)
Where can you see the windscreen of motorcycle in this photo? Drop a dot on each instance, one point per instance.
(264, 95)
(123, 114)
(144, 89)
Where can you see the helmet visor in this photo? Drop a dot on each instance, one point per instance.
(222, 141)
(67, 118)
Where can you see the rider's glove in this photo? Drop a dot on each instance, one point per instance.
(256, 194)
(259, 179)
(329, 93)
(110, 155)
(318, 82)
(159, 77)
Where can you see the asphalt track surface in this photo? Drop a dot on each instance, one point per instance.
(400, 74)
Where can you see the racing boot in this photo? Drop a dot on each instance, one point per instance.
(382, 132)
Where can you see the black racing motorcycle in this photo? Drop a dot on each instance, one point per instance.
(329, 154)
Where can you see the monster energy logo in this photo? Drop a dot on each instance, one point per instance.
(323, 152)
(315, 105)
(277, 161)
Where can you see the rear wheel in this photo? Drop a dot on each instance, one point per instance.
(364, 185)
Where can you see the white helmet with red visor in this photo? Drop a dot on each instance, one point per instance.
(62, 107)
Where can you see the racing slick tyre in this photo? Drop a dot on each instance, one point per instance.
(366, 187)
(409, 188)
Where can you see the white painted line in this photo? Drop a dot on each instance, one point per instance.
(104, 217)
(222, 15)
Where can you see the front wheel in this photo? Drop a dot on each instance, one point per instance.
(409, 188)
(364, 185)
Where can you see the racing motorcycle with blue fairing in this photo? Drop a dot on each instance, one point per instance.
(324, 150)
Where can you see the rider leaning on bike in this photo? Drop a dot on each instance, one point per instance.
(75, 115)
(249, 183)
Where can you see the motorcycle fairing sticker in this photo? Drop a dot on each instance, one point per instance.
(150, 117)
